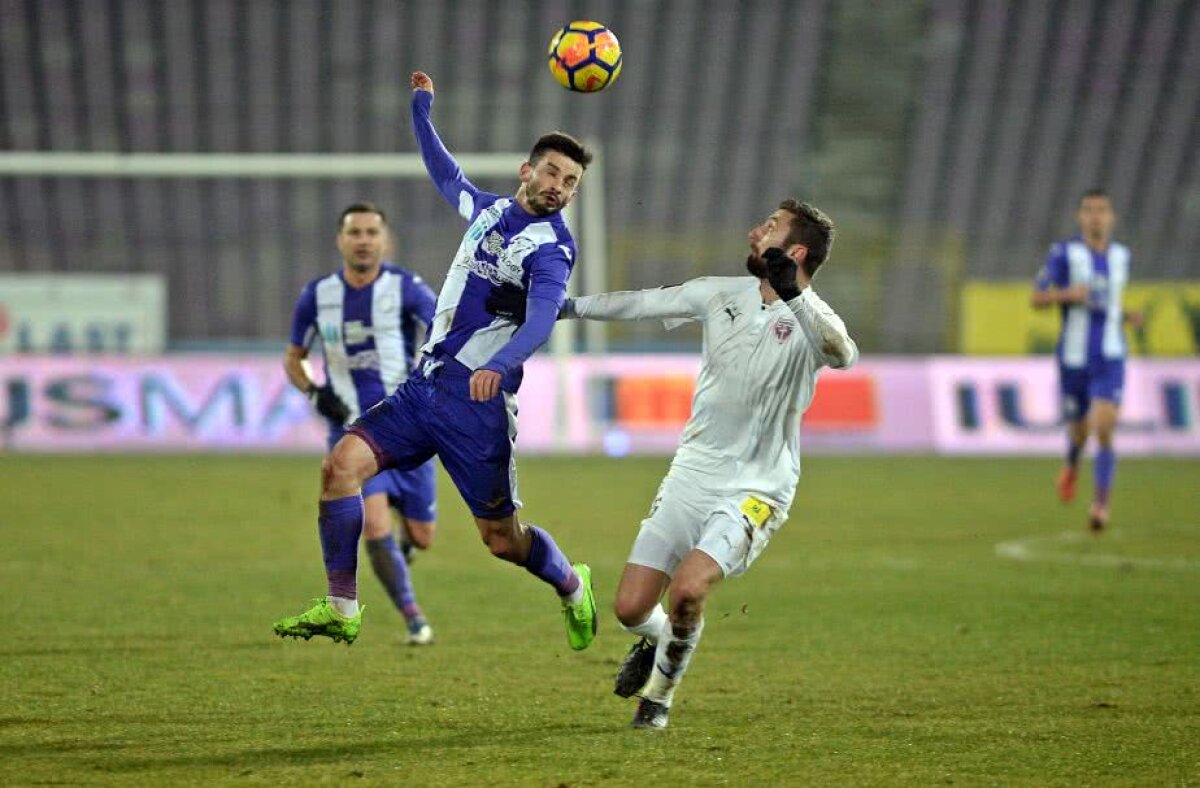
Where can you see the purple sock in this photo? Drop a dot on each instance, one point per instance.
(1073, 450)
(1106, 468)
(547, 562)
(340, 523)
(392, 570)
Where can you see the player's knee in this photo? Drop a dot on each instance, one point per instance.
(341, 471)
(630, 611)
(421, 534)
(501, 545)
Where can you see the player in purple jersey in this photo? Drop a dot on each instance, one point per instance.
(1085, 276)
(366, 317)
(461, 406)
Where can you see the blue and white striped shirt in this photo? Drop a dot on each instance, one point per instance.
(504, 245)
(368, 335)
(1091, 331)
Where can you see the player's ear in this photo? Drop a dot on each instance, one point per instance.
(798, 252)
(526, 171)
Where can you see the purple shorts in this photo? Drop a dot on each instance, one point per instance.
(1100, 379)
(431, 414)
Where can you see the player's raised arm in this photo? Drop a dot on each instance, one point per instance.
(442, 168)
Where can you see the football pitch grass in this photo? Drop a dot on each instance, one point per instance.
(881, 639)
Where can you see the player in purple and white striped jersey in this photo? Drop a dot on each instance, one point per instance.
(1085, 276)
(462, 406)
(366, 318)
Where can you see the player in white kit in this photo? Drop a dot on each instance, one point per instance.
(766, 338)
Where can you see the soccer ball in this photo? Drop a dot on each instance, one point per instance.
(585, 57)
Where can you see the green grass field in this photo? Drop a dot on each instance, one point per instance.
(880, 639)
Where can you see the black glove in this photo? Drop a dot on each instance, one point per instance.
(781, 273)
(328, 404)
(508, 302)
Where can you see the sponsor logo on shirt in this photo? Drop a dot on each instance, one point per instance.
(367, 359)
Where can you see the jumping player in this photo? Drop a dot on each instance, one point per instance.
(461, 405)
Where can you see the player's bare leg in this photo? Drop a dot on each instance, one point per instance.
(416, 535)
(1077, 435)
(534, 549)
(340, 521)
(1103, 417)
(694, 579)
(391, 567)
(638, 609)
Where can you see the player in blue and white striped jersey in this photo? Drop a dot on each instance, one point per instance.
(365, 318)
(462, 405)
(1085, 276)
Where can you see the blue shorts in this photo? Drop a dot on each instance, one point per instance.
(1100, 379)
(431, 414)
(412, 493)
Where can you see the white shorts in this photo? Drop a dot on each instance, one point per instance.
(732, 529)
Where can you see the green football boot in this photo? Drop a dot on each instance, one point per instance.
(581, 618)
(321, 619)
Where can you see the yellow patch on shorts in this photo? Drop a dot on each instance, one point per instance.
(756, 511)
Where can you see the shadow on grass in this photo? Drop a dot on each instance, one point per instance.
(337, 753)
(42, 748)
(174, 644)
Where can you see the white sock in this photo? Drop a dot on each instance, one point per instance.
(347, 607)
(652, 628)
(670, 662)
(576, 596)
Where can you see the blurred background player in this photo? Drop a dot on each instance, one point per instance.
(462, 404)
(366, 316)
(766, 338)
(1086, 276)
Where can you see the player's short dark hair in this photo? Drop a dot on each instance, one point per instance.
(1092, 193)
(560, 143)
(360, 207)
(812, 229)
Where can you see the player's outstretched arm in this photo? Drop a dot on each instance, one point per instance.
(824, 329)
(686, 301)
(441, 166)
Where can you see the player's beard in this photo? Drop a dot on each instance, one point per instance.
(756, 266)
(363, 267)
(540, 207)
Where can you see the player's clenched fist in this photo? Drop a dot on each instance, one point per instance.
(421, 81)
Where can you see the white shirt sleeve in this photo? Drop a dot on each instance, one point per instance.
(688, 301)
(825, 330)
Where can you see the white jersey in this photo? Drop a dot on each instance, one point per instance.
(759, 369)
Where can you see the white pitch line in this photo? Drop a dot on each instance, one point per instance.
(1022, 550)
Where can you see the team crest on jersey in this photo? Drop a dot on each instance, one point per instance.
(493, 243)
(783, 329)
(330, 333)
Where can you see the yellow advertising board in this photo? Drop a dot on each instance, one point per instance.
(998, 320)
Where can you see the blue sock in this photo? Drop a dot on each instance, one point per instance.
(1073, 450)
(1106, 468)
(548, 563)
(340, 522)
(392, 570)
